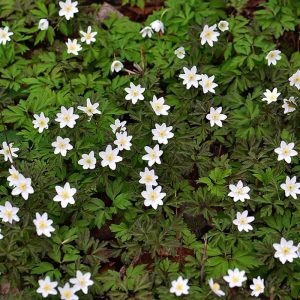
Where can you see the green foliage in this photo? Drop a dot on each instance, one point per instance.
(134, 252)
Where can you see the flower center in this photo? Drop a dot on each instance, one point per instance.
(43, 225)
(243, 221)
(7, 151)
(148, 178)
(65, 195)
(216, 286)
(67, 294)
(68, 8)
(235, 279)
(4, 35)
(208, 34)
(109, 157)
(258, 287)
(179, 286)
(152, 196)
(47, 287)
(297, 80)
(8, 213)
(88, 161)
(290, 187)
(286, 151)
(82, 282)
(134, 93)
(42, 123)
(62, 145)
(215, 117)
(152, 155)
(23, 186)
(286, 250)
(162, 133)
(72, 47)
(158, 107)
(191, 77)
(208, 84)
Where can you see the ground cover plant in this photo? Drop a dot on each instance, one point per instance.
(153, 156)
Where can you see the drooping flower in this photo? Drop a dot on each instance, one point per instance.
(88, 161)
(68, 293)
(90, 109)
(209, 35)
(223, 25)
(43, 24)
(257, 287)
(239, 191)
(180, 286)
(215, 287)
(43, 224)
(116, 66)
(82, 281)
(68, 9)
(215, 116)
(153, 155)
(123, 141)
(271, 96)
(146, 31)
(148, 177)
(40, 122)
(289, 105)
(8, 151)
(65, 195)
(242, 221)
(23, 187)
(180, 52)
(273, 56)
(110, 157)
(162, 133)
(295, 80)
(5, 35)
(159, 106)
(208, 84)
(158, 26)
(8, 213)
(291, 187)
(47, 287)
(235, 278)
(73, 47)
(285, 251)
(118, 126)
(88, 37)
(134, 93)
(286, 151)
(61, 145)
(190, 77)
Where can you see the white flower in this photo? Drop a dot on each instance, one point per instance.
(116, 66)
(285, 251)
(159, 106)
(90, 109)
(273, 56)
(298, 250)
(271, 96)
(180, 52)
(134, 93)
(242, 221)
(88, 36)
(43, 24)
(123, 141)
(82, 281)
(239, 192)
(208, 84)
(68, 9)
(153, 155)
(62, 146)
(8, 213)
(110, 157)
(118, 126)
(43, 224)
(40, 122)
(180, 286)
(65, 195)
(215, 287)
(152, 196)
(286, 151)
(8, 151)
(5, 35)
(235, 278)
(291, 187)
(147, 31)
(66, 117)
(14, 176)
(162, 133)
(215, 116)
(68, 293)
(157, 26)
(47, 287)
(1, 235)
(190, 77)
(73, 47)
(148, 177)
(88, 161)
(257, 287)
(295, 79)
(23, 187)
(208, 35)
(289, 105)
(223, 25)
